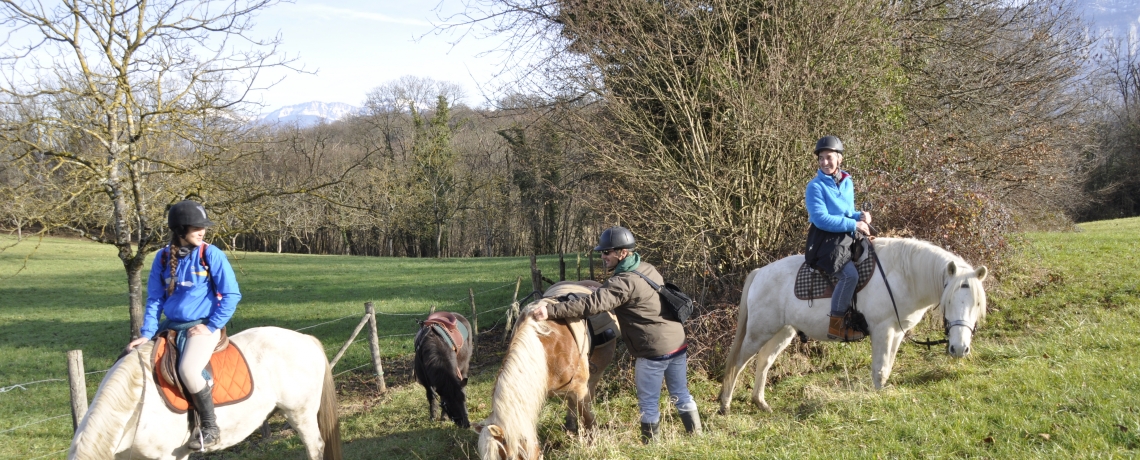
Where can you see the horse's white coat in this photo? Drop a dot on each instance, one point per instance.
(921, 276)
(127, 420)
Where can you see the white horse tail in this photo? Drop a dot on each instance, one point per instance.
(105, 423)
(741, 318)
(328, 422)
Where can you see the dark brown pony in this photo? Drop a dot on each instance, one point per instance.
(442, 369)
(547, 358)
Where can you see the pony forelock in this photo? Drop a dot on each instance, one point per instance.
(116, 400)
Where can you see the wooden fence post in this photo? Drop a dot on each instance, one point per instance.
(339, 354)
(474, 318)
(535, 274)
(432, 311)
(78, 382)
(578, 255)
(374, 341)
(561, 266)
(513, 311)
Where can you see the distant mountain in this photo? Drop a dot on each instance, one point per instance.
(310, 113)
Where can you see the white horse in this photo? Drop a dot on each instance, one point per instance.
(921, 276)
(128, 419)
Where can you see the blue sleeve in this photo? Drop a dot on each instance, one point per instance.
(819, 215)
(849, 195)
(226, 284)
(155, 296)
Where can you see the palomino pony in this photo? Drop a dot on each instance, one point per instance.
(921, 276)
(128, 418)
(441, 364)
(544, 358)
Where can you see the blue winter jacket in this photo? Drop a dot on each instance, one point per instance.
(194, 297)
(831, 205)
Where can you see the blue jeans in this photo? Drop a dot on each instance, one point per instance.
(844, 289)
(649, 374)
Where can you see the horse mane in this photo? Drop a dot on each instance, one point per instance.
(521, 387)
(922, 258)
(115, 401)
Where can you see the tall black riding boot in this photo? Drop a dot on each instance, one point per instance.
(692, 421)
(208, 433)
(649, 432)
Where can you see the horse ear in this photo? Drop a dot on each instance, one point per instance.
(477, 428)
(495, 431)
(981, 272)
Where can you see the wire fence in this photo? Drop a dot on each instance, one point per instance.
(22, 386)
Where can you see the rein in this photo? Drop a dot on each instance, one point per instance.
(871, 247)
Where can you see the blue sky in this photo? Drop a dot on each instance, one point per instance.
(356, 45)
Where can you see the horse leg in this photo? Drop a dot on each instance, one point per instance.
(743, 349)
(764, 359)
(883, 348)
(433, 404)
(894, 341)
(304, 422)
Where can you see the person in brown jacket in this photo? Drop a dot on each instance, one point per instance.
(652, 335)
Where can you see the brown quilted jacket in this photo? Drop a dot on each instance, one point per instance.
(647, 333)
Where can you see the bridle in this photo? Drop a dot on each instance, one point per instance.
(947, 324)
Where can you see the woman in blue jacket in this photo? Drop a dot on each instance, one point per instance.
(830, 200)
(193, 285)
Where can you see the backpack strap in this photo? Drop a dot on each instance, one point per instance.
(653, 285)
(206, 265)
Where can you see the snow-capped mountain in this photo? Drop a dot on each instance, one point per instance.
(310, 113)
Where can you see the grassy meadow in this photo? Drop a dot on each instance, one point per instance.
(1052, 373)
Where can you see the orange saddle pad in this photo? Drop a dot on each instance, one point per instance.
(233, 382)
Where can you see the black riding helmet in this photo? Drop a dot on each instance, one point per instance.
(616, 238)
(187, 213)
(828, 143)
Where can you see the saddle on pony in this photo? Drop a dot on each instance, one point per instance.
(814, 284)
(449, 327)
(232, 380)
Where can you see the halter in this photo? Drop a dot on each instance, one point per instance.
(947, 324)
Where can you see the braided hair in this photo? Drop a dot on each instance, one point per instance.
(172, 251)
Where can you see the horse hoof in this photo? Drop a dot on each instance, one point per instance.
(723, 410)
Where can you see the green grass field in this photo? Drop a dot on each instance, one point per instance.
(1052, 374)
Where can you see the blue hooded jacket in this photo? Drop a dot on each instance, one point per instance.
(194, 297)
(831, 204)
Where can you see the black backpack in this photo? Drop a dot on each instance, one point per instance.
(672, 299)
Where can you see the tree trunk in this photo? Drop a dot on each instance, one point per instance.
(134, 289)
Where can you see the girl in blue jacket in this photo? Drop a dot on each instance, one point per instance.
(193, 285)
(830, 201)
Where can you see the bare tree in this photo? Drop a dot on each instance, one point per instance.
(129, 104)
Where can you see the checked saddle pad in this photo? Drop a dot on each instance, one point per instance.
(232, 380)
(813, 284)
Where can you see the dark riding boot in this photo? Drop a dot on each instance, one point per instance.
(649, 432)
(692, 421)
(837, 329)
(207, 435)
